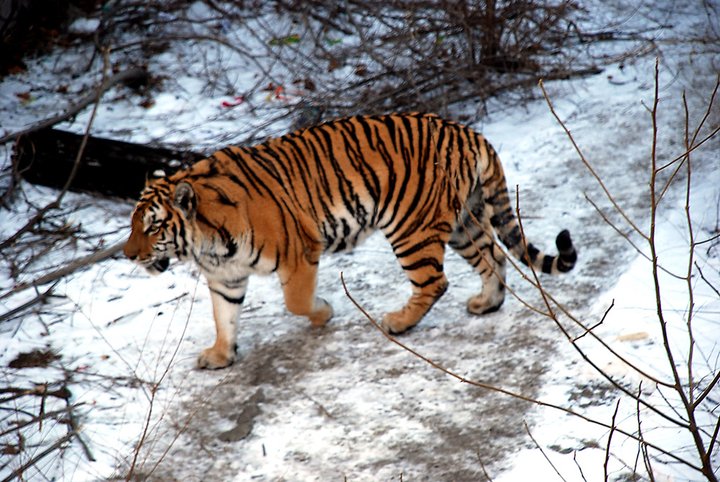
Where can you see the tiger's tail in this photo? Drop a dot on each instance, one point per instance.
(503, 220)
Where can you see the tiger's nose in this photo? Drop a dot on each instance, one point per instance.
(130, 252)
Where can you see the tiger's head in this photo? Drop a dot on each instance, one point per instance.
(159, 226)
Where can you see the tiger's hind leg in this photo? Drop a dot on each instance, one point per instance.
(473, 240)
(421, 256)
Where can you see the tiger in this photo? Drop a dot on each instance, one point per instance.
(423, 181)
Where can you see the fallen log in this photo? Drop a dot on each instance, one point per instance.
(108, 167)
(126, 76)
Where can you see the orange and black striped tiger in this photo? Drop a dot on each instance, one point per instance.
(276, 207)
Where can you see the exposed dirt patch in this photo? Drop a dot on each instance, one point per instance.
(34, 359)
(299, 388)
(244, 418)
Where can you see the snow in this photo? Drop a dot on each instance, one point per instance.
(343, 402)
(85, 26)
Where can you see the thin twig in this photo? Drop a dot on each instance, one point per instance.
(711, 238)
(615, 227)
(40, 390)
(46, 415)
(707, 390)
(543, 293)
(691, 253)
(76, 430)
(702, 276)
(537, 445)
(577, 464)
(693, 148)
(66, 270)
(607, 347)
(643, 447)
(609, 440)
(690, 144)
(321, 408)
(40, 298)
(602, 320)
(714, 438)
(482, 466)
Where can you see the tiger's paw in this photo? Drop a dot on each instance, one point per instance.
(321, 315)
(483, 303)
(212, 359)
(396, 322)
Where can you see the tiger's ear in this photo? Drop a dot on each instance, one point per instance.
(154, 176)
(185, 199)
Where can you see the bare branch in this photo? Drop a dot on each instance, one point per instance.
(537, 445)
(588, 165)
(609, 440)
(685, 399)
(582, 474)
(602, 320)
(691, 250)
(40, 298)
(642, 447)
(66, 270)
(703, 395)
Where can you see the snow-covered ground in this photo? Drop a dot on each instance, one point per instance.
(344, 403)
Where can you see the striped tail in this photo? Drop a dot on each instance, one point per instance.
(503, 220)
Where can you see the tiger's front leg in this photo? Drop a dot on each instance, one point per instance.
(227, 298)
(299, 290)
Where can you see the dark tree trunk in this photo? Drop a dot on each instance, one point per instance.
(108, 167)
